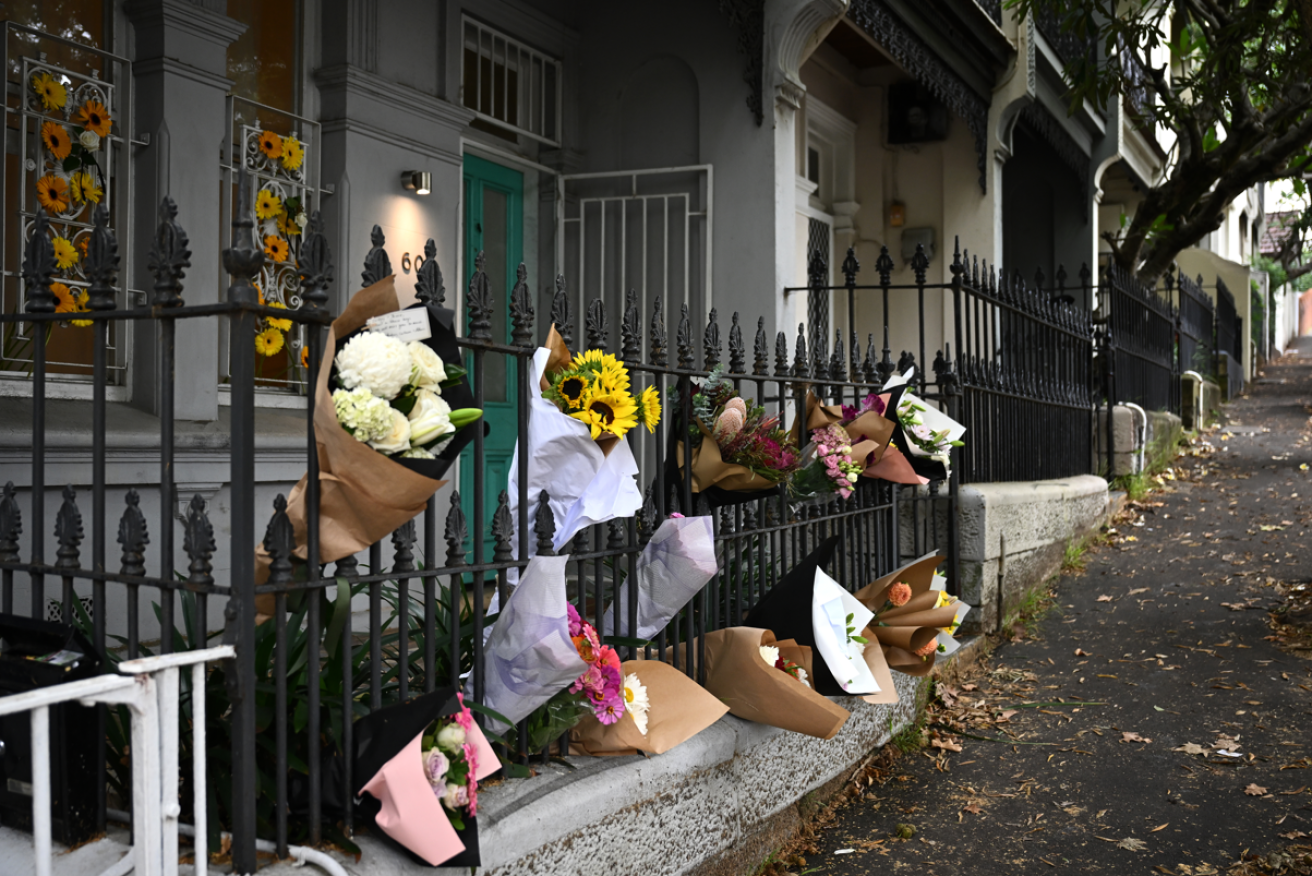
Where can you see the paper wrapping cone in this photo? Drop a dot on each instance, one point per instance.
(818, 416)
(878, 664)
(873, 427)
(363, 495)
(918, 604)
(386, 765)
(754, 691)
(710, 470)
(918, 575)
(674, 566)
(895, 467)
(910, 626)
(680, 709)
(908, 663)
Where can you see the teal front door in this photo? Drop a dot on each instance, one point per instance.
(494, 226)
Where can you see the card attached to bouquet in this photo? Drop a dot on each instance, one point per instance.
(404, 325)
(831, 606)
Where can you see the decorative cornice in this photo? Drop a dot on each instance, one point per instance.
(376, 89)
(748, 18)
(391, 138)
(189, 18)
(927, 68)
(174, 67)
(1043, 125)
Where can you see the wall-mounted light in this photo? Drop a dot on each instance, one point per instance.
(897, 214)
(418, 181)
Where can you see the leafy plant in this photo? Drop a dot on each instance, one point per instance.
(333, 697)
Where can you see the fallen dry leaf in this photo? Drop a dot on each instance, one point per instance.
(1133, 737)
(973, 809)
(1130, 844)
(1255, 790)
(1104, 598)
(1293, 835)
(1191, 748)
(1080, 652)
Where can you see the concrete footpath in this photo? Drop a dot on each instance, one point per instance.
(1153, 721)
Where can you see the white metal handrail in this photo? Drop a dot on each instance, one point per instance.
(149, 688)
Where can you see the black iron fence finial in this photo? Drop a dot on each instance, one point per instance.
(101, 262)
(711, 340)
(170, 256)
(429, 286)
(456, 532)
(376, 263)
(761, 350)
(737, 352)
(478, 301)
(11, 525)
(521, 309)
(68, 530)
(242, 259)
(596, 325)
(660, 354)
(630, 330)
(133, 536)
(198, 542)
(315, 266)
(560, 312)
(39, 266)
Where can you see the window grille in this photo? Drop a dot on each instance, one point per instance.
(818, 300)
(49, 164)
(280, 152)
(510, 85)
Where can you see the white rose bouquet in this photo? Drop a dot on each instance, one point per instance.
(390, 418)
(389, 396)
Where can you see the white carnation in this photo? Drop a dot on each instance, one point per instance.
(801, 676)
(375, 361)
(426, 368)
(397, 437)
(364, 415)
(770, 654)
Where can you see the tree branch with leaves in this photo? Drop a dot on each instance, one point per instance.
(1236, 93)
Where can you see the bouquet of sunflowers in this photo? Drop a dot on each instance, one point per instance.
(582, 407)
(593, 388)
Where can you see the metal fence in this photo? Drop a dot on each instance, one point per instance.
(1230, 340)
(1026, 368)
(1023, 376)
(289, 696)
(1229, 324)
(1197, 337)
(1138, 340)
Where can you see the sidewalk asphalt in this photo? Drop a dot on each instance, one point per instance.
(1195, 758)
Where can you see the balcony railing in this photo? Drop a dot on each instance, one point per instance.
(1069, 46)
(1138, 89)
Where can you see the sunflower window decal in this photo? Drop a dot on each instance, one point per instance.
(67, 124)
(276, 156)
